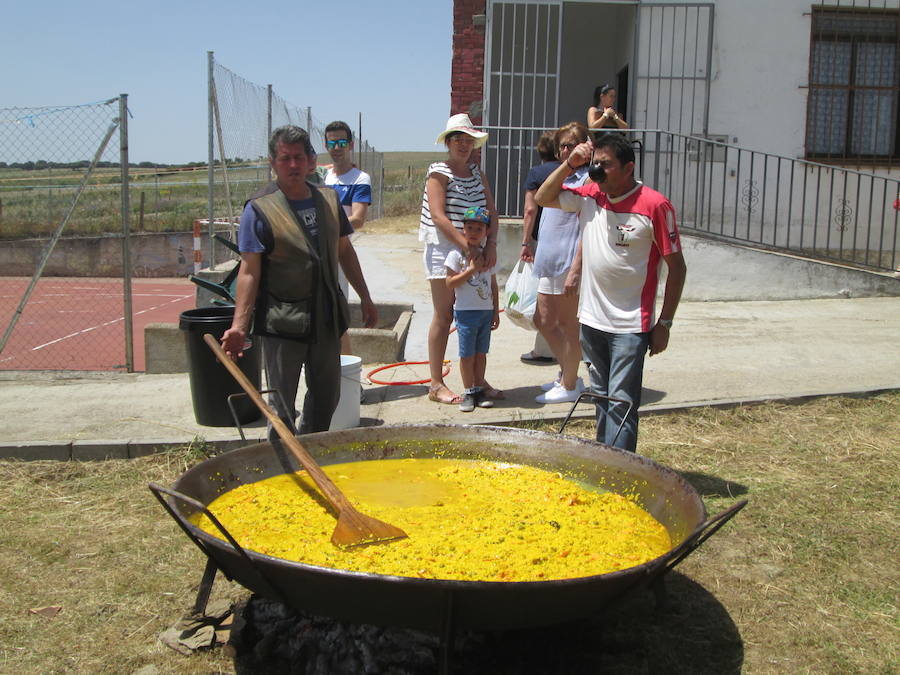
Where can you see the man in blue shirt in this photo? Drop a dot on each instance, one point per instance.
(353, 185)
(293, 237)
(354, 188)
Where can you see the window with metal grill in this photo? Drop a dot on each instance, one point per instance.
(854, 86)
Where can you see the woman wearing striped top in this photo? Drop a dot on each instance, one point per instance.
(451, 187)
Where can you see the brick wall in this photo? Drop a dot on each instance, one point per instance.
(467, 72)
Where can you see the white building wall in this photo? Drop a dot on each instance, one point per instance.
(760, 69)
(758, 96)
(760, 74)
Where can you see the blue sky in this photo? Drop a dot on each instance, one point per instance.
(389, 61)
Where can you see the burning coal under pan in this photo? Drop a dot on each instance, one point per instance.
(437, 605)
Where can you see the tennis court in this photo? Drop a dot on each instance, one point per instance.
(78, 323)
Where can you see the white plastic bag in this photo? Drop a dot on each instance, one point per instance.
(521, 295)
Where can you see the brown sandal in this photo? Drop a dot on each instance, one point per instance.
(453, 399)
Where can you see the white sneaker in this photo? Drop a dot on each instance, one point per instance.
(559, 394)
(579, 385)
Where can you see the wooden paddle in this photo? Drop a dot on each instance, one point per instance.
(353, 528)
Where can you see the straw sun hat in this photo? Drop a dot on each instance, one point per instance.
(461, 122)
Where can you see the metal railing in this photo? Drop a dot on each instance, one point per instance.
(759, 198)
(741, 195)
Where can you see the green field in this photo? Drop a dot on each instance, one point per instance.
(396, 163)
(33, 203)
(404, 179)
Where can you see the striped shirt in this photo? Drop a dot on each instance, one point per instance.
(461, 194)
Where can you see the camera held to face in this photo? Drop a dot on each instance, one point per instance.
(597, 173)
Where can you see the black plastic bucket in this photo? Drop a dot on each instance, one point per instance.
(211, 383)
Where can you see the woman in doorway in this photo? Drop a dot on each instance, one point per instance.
(451, 187)
(603, 115)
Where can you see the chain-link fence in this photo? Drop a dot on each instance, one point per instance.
(242, 115)
(65, 305)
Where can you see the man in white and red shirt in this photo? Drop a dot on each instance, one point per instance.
(628, 229)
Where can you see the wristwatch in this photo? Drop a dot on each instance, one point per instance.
(666, 322)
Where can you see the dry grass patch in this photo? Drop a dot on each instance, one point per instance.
(808, 570)
(804, 580)
(90, 538)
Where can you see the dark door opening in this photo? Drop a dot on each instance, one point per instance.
(622, 92)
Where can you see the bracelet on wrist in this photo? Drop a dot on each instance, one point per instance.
(568, 164)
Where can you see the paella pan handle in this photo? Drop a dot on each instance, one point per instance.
(156, 489)
(704, 531)
(241, 394)
(206, 584)
(604, 397)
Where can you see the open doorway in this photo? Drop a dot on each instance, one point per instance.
(544, 58)
(622, 92)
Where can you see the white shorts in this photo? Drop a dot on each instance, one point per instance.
(434, 258)
(553, 285)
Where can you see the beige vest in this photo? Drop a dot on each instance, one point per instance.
(298, 280)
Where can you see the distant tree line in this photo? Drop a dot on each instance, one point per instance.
(43, 165)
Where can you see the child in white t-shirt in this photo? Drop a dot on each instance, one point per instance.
(477, 307)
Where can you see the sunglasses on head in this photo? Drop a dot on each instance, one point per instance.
(339, 143)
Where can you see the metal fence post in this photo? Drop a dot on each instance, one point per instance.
(126, 232)
(211, 158)
(217, 117)
(268, 111)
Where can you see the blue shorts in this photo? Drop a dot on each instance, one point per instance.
(473, 330)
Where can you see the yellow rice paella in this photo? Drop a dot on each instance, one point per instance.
(467, 520)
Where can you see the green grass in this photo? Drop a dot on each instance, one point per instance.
(34, 202)
(404, 179)
(403, 166)
(803, 580)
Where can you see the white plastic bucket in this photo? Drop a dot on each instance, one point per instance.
(347, 414)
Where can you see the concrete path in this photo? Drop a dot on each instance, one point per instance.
(720, 352)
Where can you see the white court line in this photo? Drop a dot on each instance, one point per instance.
(102, 295)
(107, 323)
(177, 299)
